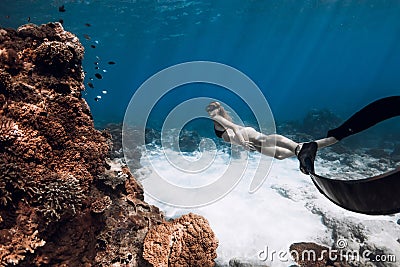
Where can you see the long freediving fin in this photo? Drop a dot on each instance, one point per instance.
(378, 195)
(378, 111)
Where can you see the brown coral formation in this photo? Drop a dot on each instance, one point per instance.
(61, 202)
(187, 241)
(126, 223)
(49, 150)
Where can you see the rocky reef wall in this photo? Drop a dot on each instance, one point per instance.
(62, 201)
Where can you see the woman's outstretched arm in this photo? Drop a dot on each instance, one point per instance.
(224, 122)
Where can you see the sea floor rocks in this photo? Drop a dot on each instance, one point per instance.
(309, 254)
(240, 262)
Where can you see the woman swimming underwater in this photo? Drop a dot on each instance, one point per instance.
(376, 195)
(281, 147)
(273, 145)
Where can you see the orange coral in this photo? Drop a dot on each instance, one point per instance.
(49, 150)
(16, 244)
(61, 203)
(101, 204)
(187, 241)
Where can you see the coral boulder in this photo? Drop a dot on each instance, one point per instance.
(187, 241)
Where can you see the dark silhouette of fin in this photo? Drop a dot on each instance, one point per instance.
(377, 195)
(306, 157)
(377, 111)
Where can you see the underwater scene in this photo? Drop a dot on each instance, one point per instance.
(200, 133)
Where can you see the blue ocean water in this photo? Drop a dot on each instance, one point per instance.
(339, 55)
(303, 55)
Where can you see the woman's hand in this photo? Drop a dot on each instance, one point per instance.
(248, 146)
(242, 140)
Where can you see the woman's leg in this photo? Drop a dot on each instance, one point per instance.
(276, 152)
(275, 145)
(378, 111)
(285, 147)
(324, 142)
(277, 140)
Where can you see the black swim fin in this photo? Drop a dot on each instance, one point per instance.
(377, 111)
(378, 195)
(307, 156)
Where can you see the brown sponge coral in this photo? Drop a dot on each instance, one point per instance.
(187, 241)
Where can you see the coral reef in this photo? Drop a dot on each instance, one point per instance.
(126, 221)
(56, 198)
(21, 238)
(62, 202)
(187, 241)
(56, 58)
(49, 150)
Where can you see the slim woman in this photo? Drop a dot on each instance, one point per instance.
(273, 145)
(280, 147)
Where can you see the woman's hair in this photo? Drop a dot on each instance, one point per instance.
(220, 110)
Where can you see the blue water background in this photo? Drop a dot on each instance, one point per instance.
(338, 55)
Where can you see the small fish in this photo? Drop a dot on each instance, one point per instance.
(104, 70)
(61, 21)
(92, 46)
(90, 85)
(98, 76)
(87, 37)
(61, 8)
(96, 63)
(7, 16)
(111, 62)
(29, 19)
(96, 68)
(87, 24)
(104, 92)
(96, 99)
(91, 78)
